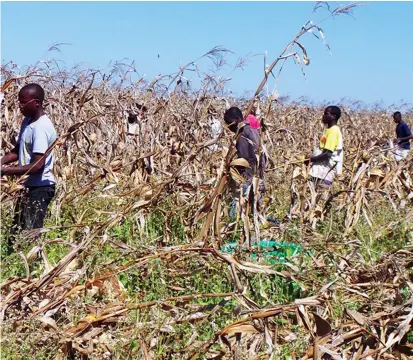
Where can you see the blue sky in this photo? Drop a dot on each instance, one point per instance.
(371, 56)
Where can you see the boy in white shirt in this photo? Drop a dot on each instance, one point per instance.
(36, 135)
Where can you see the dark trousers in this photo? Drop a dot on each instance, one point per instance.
(31, 209)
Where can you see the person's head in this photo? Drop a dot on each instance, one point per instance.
(132, 118)
(31, 99)
(233, 116)
(331, 115)
(397, 117)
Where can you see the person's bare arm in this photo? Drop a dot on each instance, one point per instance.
(35, 167)
(11, 157)
(325, 155)
(398, 140)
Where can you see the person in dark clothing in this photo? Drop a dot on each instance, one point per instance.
(37, 134)
(404, 135)
(247, 145)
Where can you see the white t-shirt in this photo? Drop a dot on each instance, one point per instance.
(37, 137)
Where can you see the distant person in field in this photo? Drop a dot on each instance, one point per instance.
(252, 119)
(247, 147)
(404, 135)
(37, 134)
(327, 162)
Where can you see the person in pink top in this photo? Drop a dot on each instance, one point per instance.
(252, 120)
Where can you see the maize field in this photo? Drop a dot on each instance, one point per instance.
(130, 263)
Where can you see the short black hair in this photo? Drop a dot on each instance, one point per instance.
(35, 89)
(132, 118)
(231, 114)
(335, 110)
(397, 113)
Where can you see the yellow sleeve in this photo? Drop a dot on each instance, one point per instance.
(332, 138)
